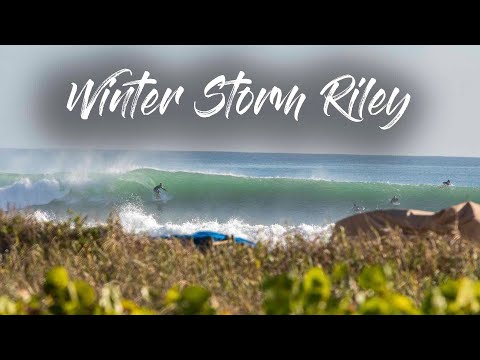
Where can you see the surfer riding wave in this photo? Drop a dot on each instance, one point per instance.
(157, 190)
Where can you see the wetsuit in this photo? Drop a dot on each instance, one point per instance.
(157, 189)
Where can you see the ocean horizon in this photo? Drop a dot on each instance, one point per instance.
(113, 149)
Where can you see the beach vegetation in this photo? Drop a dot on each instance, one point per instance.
(68, 267)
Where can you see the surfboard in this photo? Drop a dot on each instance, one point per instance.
(203, 237)
(163, 198)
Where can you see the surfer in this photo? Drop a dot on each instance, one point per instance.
(157, 189)
(357, 208)
(394, 200)
(447, 183)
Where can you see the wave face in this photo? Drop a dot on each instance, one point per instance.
(239, 193)
(219, 197)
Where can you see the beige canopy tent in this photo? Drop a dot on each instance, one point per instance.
(465, 217)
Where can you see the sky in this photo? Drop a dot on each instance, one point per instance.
(440, 120)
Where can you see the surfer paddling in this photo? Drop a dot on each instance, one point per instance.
(157, 190)
(394, 200)
(447, 183)
(357, 208)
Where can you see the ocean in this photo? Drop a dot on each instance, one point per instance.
(253, 195)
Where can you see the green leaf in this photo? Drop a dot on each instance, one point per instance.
(375, 306)
(85, 293)
(7, 306)
(316, 284)
(56, 279)
(449, 289)
(194, 301)
(278, 294)
(172, 295)
(373, 278)
(340, 271)
(402, 305)
(196, 295)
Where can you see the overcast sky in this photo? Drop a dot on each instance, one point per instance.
(441, 118)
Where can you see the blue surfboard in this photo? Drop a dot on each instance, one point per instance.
(201, 237)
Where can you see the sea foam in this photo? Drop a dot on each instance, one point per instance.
(134, 219)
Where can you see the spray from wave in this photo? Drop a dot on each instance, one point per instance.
(25, 192)
(135, 219)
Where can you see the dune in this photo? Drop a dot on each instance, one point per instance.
(464, 217)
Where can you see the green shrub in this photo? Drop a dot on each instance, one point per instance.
(454, 297)
(310, 294)
(61, 296)
(193, 300)
(287, 294)
(71, 268)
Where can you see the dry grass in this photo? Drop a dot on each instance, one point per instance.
(232, 273)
